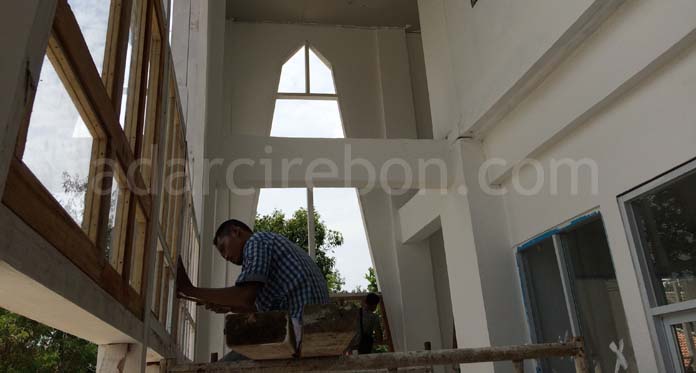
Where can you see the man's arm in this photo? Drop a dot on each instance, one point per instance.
(239, 299)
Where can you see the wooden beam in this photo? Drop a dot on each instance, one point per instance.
(261, 336)
(116, 50)
(30, 200)
(328, 329)
(395, 360)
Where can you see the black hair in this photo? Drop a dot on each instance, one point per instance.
(226, 227)
(372, 299)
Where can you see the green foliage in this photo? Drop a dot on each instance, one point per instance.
(371, 278)
(295, 229)
(28, 346)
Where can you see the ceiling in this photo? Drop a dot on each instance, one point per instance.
(383, 13)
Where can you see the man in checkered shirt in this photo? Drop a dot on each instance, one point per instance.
(276, 275)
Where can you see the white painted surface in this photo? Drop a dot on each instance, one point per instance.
(259, 161)
(419, 84)
(420, 216)
(649, 131)
(597, 76)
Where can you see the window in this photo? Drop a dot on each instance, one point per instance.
(307, 105)
(661, 217)
(571, 290)
(118, 220)
(58, 147)
(93, 18)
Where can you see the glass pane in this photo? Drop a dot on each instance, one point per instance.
(292, 76)
(130, 61)
(307, 118)
(320, 77)
(598, 301)
(116, 227)
(547, 301)
(93, 18)
(666, 219)
(686, 345)
(59, 145)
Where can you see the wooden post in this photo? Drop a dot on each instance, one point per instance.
(518, 366)
(580, 357)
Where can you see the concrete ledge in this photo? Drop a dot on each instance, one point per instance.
(272, 162)
(38, 282)
(420, 216)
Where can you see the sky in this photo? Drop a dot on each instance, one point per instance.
(338, 207)
(58, 140)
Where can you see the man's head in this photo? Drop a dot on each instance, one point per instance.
(230, 238)
(371, 302)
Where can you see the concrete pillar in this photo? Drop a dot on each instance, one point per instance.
(120, 358)
(481, 265)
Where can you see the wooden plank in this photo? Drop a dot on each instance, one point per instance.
(29, 199)
(261, 336)
(395, 360)
(328, 329)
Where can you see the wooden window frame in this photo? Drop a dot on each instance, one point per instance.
(114, 154)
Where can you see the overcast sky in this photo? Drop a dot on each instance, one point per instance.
(59, 141)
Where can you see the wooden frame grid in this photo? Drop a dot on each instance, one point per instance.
(122, 225)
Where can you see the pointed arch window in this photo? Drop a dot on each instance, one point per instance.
(307, 101)
(307, 74)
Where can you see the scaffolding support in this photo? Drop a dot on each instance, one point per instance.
(394, 360)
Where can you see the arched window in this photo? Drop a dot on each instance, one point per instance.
(307, 106)
(307, 102)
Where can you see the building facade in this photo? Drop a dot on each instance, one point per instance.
(526, 171)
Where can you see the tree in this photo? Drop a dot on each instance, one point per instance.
(295, 229)
(371, 278)
(28, 346)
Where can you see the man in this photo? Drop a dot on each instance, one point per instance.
(276, 275)
(369, 326)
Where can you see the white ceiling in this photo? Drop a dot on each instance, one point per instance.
(393, 13)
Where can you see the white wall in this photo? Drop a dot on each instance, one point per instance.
(622, 98)
(419, 83)
(646, 133)
(373, 78)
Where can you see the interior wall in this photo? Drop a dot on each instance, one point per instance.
(373, 79)
(648, 132)
(477, 53)
(419, 83)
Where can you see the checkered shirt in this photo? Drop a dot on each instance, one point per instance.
(291, 278)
